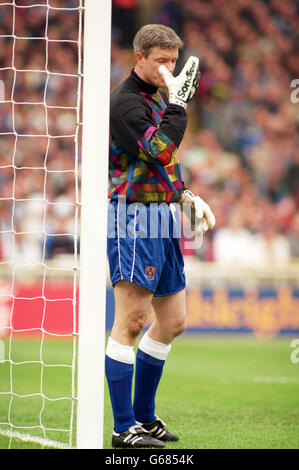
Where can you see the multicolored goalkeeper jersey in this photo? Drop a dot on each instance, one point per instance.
(145, 132)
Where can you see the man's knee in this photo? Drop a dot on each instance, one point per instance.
(136, 322)
(131, 309)
(179, 327)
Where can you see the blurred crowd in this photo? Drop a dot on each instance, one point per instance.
(39, 131)
(240, 152)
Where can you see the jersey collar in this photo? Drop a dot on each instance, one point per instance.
(142, 85)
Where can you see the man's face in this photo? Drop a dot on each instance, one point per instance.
(147, 68)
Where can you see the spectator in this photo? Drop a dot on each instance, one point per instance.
(240, 152)
(294, 237)
(271, 246)
(234, 243)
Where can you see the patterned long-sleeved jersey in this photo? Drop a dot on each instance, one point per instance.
(145, 132)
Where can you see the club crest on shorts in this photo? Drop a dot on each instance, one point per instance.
(150, 272)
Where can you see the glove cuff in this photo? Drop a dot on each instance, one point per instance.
(189, 194)
(174, 99)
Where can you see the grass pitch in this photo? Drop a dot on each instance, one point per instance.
(217, 392)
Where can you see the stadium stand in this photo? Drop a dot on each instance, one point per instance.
(241, 153)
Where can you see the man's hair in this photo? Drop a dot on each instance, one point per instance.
(155, 35)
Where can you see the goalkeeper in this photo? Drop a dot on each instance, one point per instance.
(146, 128)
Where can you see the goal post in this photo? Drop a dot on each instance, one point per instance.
(93, 233)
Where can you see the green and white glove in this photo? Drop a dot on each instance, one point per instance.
(200, 214)
(182, 88)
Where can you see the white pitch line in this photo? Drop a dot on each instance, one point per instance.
(34, 439)
(281, 380)
(263, 379)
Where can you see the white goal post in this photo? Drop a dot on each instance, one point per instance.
(94, 189)
(51, 366)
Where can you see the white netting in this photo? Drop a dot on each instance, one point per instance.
(40, 114)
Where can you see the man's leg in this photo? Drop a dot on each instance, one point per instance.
(170, 321)
(170, 317)
(131, 309)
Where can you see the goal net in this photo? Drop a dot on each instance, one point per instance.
(41, 50)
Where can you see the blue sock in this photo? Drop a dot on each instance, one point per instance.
(147, 377)
(119, 377)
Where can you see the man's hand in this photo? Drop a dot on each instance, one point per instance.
(201, 216)
(182, 88)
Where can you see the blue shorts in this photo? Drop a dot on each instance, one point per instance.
(144, 246)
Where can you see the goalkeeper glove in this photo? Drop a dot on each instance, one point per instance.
(201, 216)
(182, 88)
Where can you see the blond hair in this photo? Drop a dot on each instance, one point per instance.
(155, 35)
